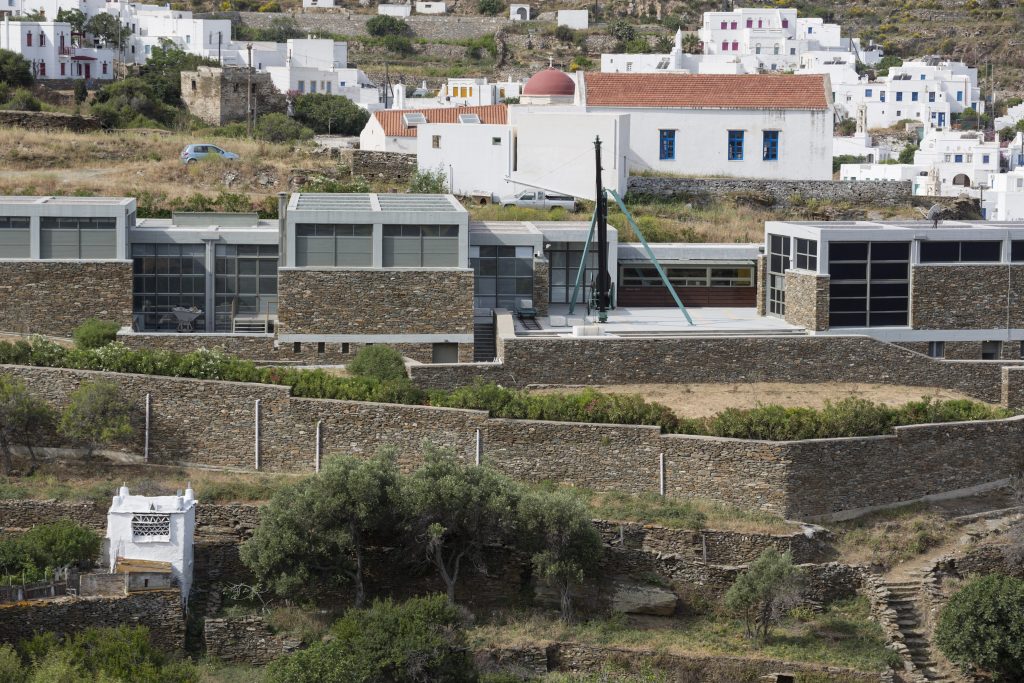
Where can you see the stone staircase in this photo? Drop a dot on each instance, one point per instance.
(484, 347)
(902, 598)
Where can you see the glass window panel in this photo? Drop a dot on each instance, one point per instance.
(848, 251)
(848, 320)
(888, 319)
(524, 285)
(268, 285)
(940, 252)
(247, 267)
(1017, 250)
(847, 305)
(980, 251)
(506, 266)
(888, 271)
(524, 266)
(248, 249)
(890, 251)
(247, 285)
(848, 271)
(524, 252)
(887, 304)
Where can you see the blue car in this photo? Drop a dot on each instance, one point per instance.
(195, 152)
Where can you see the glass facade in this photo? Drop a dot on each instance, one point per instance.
(320, 244)
(420, 246)
(869, 283)
(501, 275)
(682, 276)
(565, 260)
(245, 282)
(165, 276)
(778, 264)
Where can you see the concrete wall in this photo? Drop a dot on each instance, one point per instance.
(796, 479)
(807, 299)
(967, 297)
(55, 297)
(778, 192)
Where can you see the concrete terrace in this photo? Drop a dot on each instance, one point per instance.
(667, 322)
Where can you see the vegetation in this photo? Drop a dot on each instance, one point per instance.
(384, 25)
(763, 593)
(277, 127)
(428, 182)
(378, 362)
(314, 534)
(838, 161)
(95, 416)
(907, 154)
(15, 70)
(890, 537)
(111, 655)
(134, 103)
(24, 419)
(330, 114)
(94, 333)
(280, 30)
(982, 626)
(34, 554)
(622, 31)
(22, 100)
(421, 639)
(73, 16)
(490, 7)
(107, 28)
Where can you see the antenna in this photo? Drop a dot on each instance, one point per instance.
(935, 214)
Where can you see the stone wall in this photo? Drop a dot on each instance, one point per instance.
(807, 299)
(762, 284)
(541, 285)
(375, 302)
(55, 297)
(250, 346)
(780, 193)
(245, 640)
(46, 120)
(969, 297)
(798, 359)
(160, 611)
(19, 515)
(342, 22)
(220, 95)
(391, 166)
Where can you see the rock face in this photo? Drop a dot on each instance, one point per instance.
(636, 598)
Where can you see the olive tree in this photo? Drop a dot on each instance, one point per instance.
(567, 548)
(97, 415)
(454, 510)
(24, 420)
(763, 593)
(315, 532)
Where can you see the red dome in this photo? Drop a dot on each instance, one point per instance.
(550, 82)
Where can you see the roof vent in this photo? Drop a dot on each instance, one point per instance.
(413, 118)
(469, 118)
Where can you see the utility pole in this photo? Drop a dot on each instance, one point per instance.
(248, 93)
(220, 39)
(602, 238)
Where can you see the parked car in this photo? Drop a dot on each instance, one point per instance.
(539, 199)
(195, 152)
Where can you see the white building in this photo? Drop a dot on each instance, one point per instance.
(1013, 115)
(316, 65)
(431, 7)
(151, 25)
(394, 130)
(519, 12)
(476, 92)
(318, 3)
(393, 10)
(578, 19)
(948, 164)
(48, 47)
(154, 528)
(929, 91)
(1004, 200)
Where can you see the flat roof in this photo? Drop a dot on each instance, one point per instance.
(65, 200)
(309, 201)
(903, 225)
(686, 252)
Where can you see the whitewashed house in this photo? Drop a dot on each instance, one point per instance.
(1012, 117)
(320, 65)
(394, 10)
(151, 25)
(48, 48)
(1004, 200)
(318, 3)
(394, 130)
(430, 7)
(517, 12)
(154, 529)
(476, 92)
(677, 61)
(577, 19)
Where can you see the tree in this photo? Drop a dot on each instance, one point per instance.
(15, 70)
(97, 415)
(73, 16)
(982, 626)
(663, 44)
(566, 545)
(330, 114)
(764, 592)
(428, 182)
(622, 30)
(163, 71)
(277, 127)
(384, 25)
(107, 28)
(454, 510)
(24, 420)
(378, 361)
(490, 7)
(564, 34)
(81, 92)
(907, 154)
(315, 533)
(421, 639)
(691, 44)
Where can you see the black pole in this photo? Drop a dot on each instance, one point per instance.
(602, 238)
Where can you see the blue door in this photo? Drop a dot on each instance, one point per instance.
(942, 120)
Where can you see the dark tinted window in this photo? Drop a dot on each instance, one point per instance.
(847, 251)
(890, 251)
(1017, 250)
(980, 251)
(940, 252)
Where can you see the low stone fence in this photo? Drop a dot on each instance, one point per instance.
(782, 193)
(391, 165)
(46, 120)
(341, 21)
(160, 611)
(245, 640)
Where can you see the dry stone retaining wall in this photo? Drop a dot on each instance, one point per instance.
(46, 120)
(447, 27)
(393, 166)
(971, 297)
(807, 299)
(247, 640)
(781, 193)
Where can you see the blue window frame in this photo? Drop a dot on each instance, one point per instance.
(984, 158)
(881, 96)
(959, 95)
(931, 97)
(913, 97)
(771, 145)
(867, 92)
(735, 145)
(666, 144)
(958, 158)
(899, 97)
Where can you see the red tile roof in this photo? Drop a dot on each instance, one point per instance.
(394, 126)
(706, 91)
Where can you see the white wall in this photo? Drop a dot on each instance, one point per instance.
(394, 10)
(430, 8)
(574, 18)
(1005, 201)
(372, 138)
(473, 157)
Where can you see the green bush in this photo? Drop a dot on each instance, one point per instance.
(838, 161)
(907, 154)
(45, 547)
(15, 70)
(81, 92)
(96, 415)
(280, 128)
(330, 114)
(94, 333)
(22, 100)
(982, 626)
(490, 7)
(621, 30)
(400, 45)
(565, 34)
(384, 25)
(11, 670)
(421, 639)
(378, 362)
(428, 182)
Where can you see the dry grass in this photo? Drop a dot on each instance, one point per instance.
(705, 400)
(889, 538)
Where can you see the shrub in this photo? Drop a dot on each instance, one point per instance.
(96, 415)
(15, 70)
(94, 333)
(400, 45)
(24, 419)
(280, 128)
(490, 7)
(45, 547)
(421, 639)
(10, 665)
(907, 154)
(565, 34)
(763, 593)
(638, 45)
(81, 92)
(622, 30)
(330, 114)
(271, 6)
(378, 362)
(428, 182)
(22, 100)
(981, 627)
(384, 25)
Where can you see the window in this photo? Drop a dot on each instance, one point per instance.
(150, 527)
(495, 141)
(776, 51)
(666, 144)
(14, 237)
(913, 96)
(732, 26)
(416, 246)
(344, 347)
(937, 349)
(165, 276)
(806, 254)
(735, 145)
(565, 258)
(1016, 250)
(296, 347)
(984, 158)
(77, 238)
(62, 71)
(321, 347)
(810, 29)
(869, 283)
(757, 49)
(302, 86)
(194, 85)
(444, 353)
(959, 96)
(329, 244)
(881, 96)
(725, 46)
(958, 158)
(28, 39)
(899, 96)
(940, 251)
(312, 87)
(327, 87)
(104, 68)
(991, 350)
(42, 67)
(867, 92)
(778, 264)
(435, 141)
(931, 97)
(245, 279)
(750, 23)
(42, 39)
(735, 46)
(771, 146)
(725, 25)
(785, 23)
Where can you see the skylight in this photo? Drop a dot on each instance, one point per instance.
(413, 118)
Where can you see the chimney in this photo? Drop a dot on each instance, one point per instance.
(399, 94)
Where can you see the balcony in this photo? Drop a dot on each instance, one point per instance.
(66, 51)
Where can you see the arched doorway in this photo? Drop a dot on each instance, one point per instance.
(962, 180)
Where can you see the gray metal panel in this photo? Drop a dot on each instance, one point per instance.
(55, 243)
(354, 251)
(314, 251)
(98, 243)
(15, 243)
